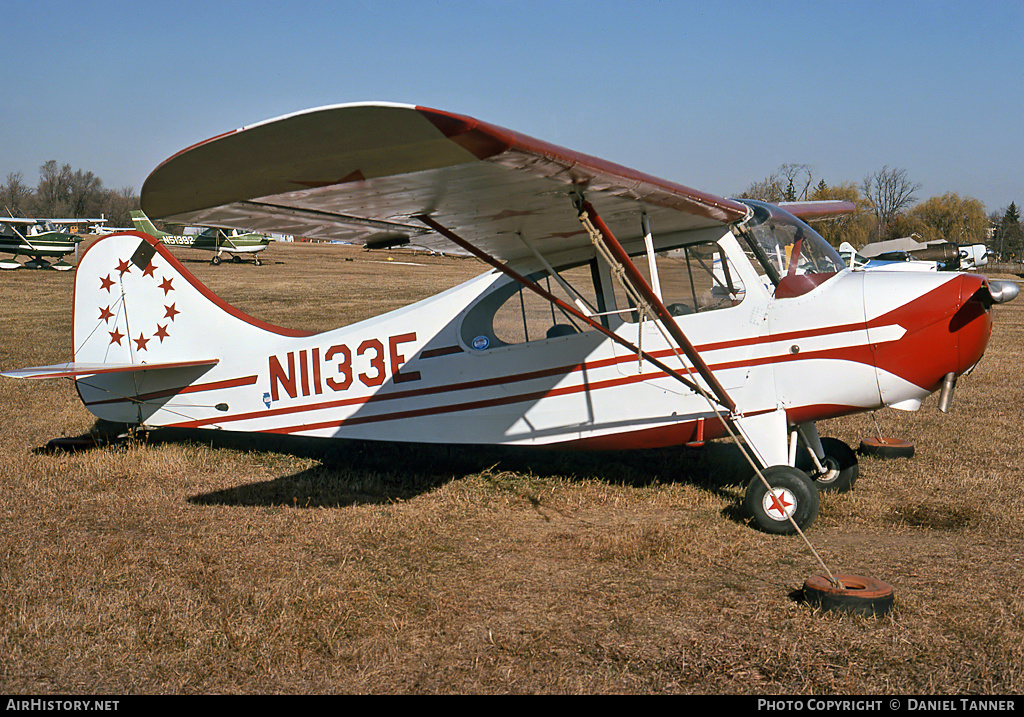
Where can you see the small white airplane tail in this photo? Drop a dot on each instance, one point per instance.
(153, 345)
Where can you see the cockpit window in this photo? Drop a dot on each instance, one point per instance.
(795, 257)
(512, 314)
(691, 279)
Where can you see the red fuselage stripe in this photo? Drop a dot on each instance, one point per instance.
(198, 388)
(860, 354)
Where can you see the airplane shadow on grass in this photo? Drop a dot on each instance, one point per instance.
(367, 472)
(350, 472)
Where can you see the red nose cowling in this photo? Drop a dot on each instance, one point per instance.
(947, 330)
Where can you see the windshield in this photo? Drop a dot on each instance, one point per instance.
(789, 249)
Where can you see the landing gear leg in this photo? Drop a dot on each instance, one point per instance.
(790, 496)
(829, 462)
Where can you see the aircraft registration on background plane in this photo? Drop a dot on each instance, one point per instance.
(38, 239)
(234, 242)
(621, 310)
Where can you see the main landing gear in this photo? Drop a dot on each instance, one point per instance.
(217, 260)
(792, 492)
(837, 471)
(789, 493)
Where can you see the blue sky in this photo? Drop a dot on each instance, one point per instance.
(711, 95)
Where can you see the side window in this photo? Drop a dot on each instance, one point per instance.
(693, 279)
(513, 314)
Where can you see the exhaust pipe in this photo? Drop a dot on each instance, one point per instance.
(946, 393)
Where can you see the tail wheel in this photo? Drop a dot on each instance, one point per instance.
(840, 464)
(793, 495)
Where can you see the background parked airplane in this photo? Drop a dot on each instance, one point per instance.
(945, 256)
(223, 241)
(38, 239)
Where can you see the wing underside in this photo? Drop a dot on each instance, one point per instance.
(364, 173)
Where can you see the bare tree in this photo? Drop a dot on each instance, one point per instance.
(890, 193)
(85, 192)
(790, 182)
(53, 195)
(14, 195)
(798, 180)
(769, 189)
(117, 206)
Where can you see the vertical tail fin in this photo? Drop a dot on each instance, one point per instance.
(137, 306)
(143, 224)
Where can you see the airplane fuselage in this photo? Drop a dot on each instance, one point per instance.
(240, 244)
(442, 371)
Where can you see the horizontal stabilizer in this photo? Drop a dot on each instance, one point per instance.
(75, 370)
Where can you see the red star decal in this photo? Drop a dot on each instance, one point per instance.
(124, 267)
(779, 503)
(106, 282)
(166, 285)
(106, 314)
(161, 333)
(116, 336)
(148, 271)
(141, 342)
(171, 312)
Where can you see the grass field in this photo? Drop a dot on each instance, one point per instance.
(206, 564)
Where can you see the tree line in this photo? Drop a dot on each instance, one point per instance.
(66, 193)
(886, 201)
(888, 208)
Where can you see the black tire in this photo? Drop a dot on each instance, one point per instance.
(795, 494)
(858, 595)
(886, 448)
(841, 467)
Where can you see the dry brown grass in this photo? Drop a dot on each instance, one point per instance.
(195, 565)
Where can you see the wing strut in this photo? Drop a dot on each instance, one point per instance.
(536, 288)
(610, 246)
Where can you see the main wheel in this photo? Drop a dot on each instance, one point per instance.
(793, 494)
(840, 464)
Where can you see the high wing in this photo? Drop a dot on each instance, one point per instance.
(820, 209)
(364, 173)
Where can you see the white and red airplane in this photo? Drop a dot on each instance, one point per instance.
(622, 311)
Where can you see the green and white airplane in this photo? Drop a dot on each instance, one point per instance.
(36, 238)
(223, 241)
